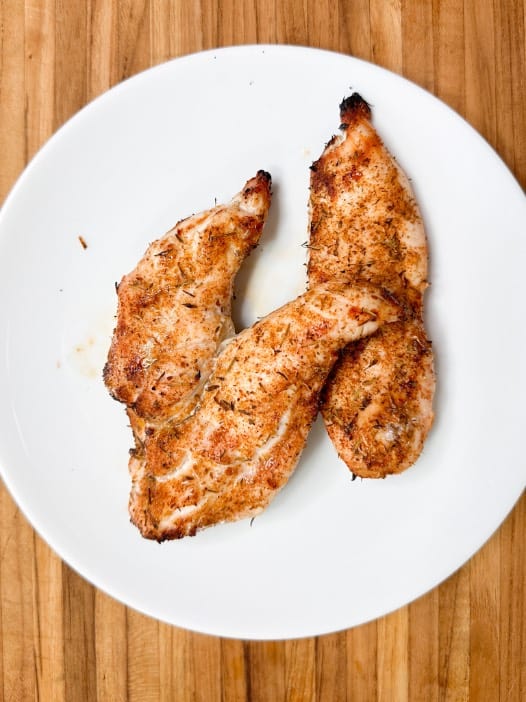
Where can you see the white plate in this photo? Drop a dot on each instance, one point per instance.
(329, 553)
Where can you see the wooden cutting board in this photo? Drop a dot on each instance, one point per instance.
(61, 639)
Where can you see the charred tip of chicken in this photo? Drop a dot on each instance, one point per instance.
(261, 181)
(259, 185)
(352, 108)
(265, 175)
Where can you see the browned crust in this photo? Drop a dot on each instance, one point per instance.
(174, 307)
(377, 404)
(232, 455)
(365, 224)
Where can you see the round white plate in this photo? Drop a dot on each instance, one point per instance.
(328, 553)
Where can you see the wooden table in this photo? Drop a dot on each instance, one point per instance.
(61, 639)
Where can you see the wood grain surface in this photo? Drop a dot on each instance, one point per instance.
(61, 639)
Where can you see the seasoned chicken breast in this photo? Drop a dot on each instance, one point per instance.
(365, 224)
(230, 457)
(174, 307)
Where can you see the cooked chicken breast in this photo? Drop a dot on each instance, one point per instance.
(365, 224)
(174, 307)
(377, 405)
(230, 457)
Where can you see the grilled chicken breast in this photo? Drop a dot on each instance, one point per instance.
(231, 456)
(174, 307)
(365, 224)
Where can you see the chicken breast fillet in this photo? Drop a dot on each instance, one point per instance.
(231, 456)
(174, 307)
(365, 224)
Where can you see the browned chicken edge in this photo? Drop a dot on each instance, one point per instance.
(353, 107)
